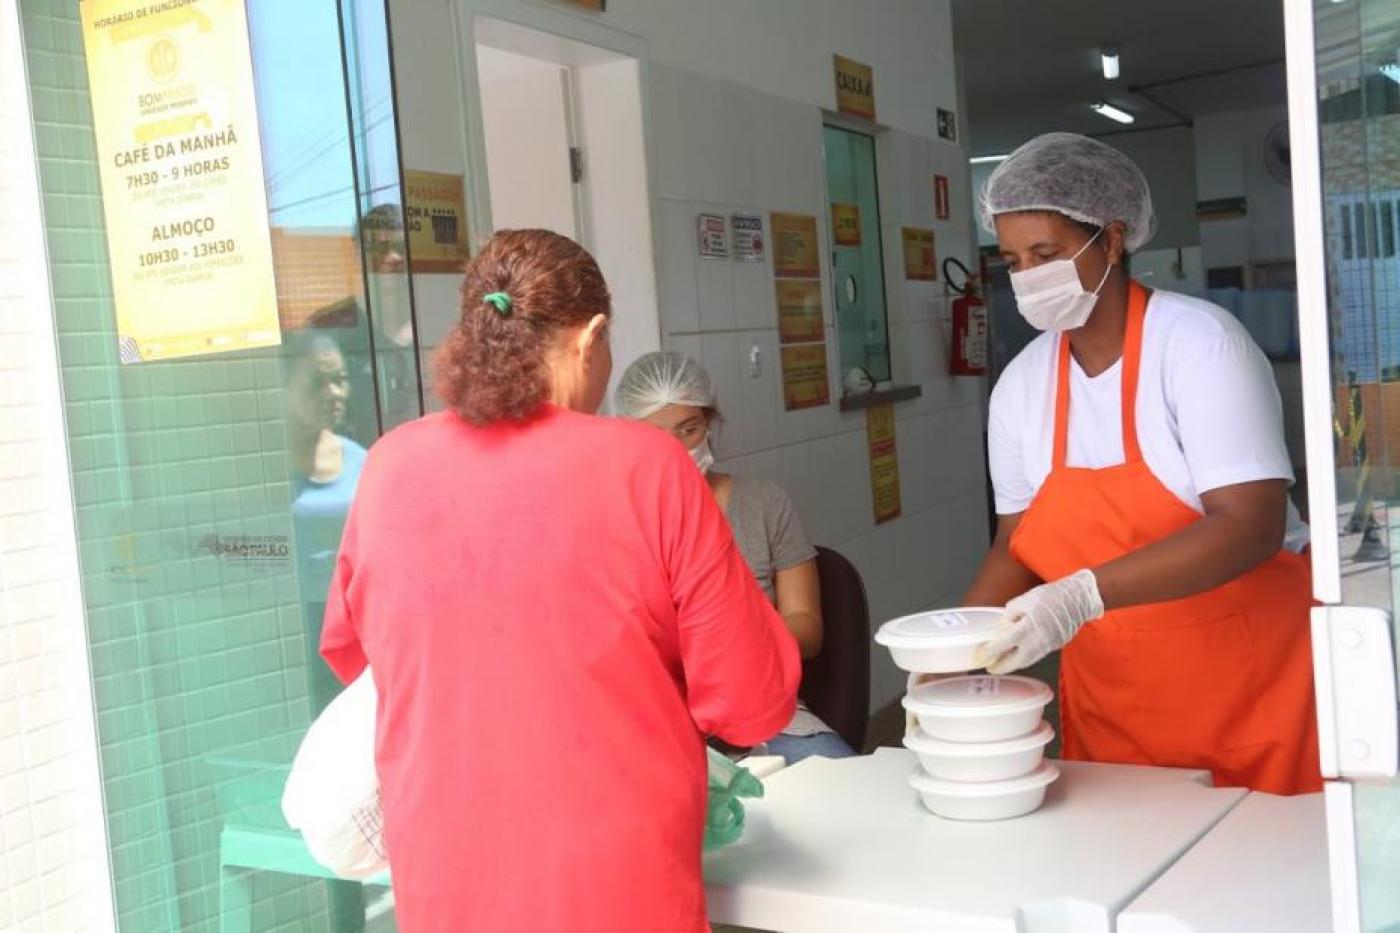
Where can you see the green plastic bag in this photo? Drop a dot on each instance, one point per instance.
(724, 814)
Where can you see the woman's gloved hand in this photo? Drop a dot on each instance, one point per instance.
(1041, 621)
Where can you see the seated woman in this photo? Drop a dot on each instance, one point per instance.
(674, 393)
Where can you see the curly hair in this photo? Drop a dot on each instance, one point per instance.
(494, 365)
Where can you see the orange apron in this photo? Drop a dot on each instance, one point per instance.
(1221, 680)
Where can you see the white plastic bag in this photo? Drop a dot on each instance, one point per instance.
(332, 793)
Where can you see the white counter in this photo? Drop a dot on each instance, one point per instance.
(845, 845)
(1263, 869)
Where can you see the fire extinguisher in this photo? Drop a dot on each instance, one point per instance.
(969, 313)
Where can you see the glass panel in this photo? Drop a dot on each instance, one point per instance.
(857, 259)
(1358, 75)
(211, 491)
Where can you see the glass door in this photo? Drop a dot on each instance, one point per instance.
(1344, 102)
(211, 490)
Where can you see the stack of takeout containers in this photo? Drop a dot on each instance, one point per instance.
(980, 739)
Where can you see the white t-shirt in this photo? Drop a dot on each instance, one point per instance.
(1208, 411)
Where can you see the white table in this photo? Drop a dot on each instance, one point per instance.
(1263, 869)
(845, 845)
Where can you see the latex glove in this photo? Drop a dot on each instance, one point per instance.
(724, 814)
(1041, 621)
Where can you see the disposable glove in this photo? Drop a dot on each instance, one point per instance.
(724, 814)
(1040, 622)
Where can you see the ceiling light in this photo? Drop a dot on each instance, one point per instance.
(1105, 109)
(1110, 64)
(987, 160)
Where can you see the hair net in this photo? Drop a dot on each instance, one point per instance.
(1076, 176)
(660, 379)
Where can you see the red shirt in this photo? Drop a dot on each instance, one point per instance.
(556, 614)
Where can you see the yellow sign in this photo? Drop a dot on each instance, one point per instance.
(805, 383)
(920, 258)
(845, 224)
(182, 177)
(855, 88)
(795, 253)
(436, 220)
(884, 462)
(800, 310)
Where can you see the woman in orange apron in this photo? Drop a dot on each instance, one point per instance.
(1154, 543)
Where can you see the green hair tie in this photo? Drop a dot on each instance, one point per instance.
(500, 300)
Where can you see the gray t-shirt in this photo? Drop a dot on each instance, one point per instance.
(771, 538)
(767, 529)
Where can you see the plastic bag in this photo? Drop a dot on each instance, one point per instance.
(332, 792)
(724, 814)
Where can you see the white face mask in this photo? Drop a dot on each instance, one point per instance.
(1050, 296)
(703, 456)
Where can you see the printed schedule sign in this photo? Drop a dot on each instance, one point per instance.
(805, 382)
(884, 462)
(182, 176)
(800, 318)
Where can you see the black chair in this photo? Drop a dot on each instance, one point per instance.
(836, 683)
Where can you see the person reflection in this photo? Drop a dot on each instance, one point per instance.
(326, 468)
(390, 308)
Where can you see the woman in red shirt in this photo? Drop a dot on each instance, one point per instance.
(556, 614)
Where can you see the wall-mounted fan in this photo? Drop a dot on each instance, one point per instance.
(1278, 156)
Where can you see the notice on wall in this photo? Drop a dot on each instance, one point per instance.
(884, 462)
(805, 380)
(748, 237)
(845, 224)
(855, 88)
(947, 125)
(183, 196)
(436, 219)
(713, 236)
(795, 252)
(942, 208)
(800, 318)
(920, 257)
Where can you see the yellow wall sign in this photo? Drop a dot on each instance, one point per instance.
(795, 253)
(845, 224)
(855, 88)
(436, 220)
(183, 196)
(805, 382)
(800, 310)
(884, 462)
(920, 257)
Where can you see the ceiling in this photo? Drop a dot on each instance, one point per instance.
(1032, 67)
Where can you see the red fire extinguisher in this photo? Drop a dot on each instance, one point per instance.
(969, 313)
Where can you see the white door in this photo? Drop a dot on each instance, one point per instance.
(1344, 111)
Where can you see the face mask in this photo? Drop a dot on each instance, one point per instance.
(703, 456)
(1050, 296)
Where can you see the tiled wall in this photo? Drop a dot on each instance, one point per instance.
(53, 857)
(723, 148)
(193, 656)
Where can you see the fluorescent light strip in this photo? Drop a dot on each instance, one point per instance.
(1104, 109)
(988, 160)
(1110, 64)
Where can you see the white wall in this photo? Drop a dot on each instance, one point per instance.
(53, 847)
(734, 99)
(1230, 163)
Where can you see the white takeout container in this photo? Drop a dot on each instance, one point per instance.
(979, 762)
(940, 642)
(979, 707)
(996, 800)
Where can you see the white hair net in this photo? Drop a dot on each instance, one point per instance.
(1073, 175)
(660, 379)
